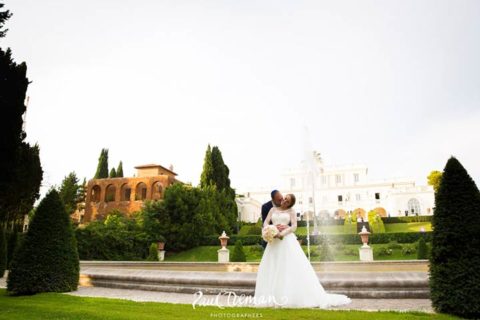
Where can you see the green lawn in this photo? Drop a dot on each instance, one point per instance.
(407, 227)
(54, 306)
(254, 253)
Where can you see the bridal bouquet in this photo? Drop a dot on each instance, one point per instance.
(269, 232)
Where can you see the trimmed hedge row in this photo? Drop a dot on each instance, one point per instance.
(402, 237)
(407, 219)
(340, 222)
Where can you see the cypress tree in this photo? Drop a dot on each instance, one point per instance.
(69, 192)
(120, 170)
(206, 179)
(4, 16)
(455, 256)
(422, 252)
(238, 254)
(153, 252)
(12, 243)
(47, 259)
(3, 251)
(113, 173)
(102, 167)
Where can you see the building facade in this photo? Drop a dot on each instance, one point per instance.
(126, 194)
(336, 191)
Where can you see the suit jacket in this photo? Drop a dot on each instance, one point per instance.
(265, 209)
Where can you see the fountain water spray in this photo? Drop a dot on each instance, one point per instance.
(309, 182)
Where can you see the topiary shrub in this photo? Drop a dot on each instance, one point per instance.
(238, 254)
(3, 252)
(153, 252)
(324, 252)
(254, 230)
(422, 250)
(455, 255)
(47, 259)
(350, 224)
(12, 244)
(375, 222)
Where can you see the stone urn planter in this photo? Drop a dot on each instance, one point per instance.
(161, 245)
(223, 240)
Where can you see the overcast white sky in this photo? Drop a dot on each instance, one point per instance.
(392, 84)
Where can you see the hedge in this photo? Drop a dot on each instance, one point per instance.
(402, 237)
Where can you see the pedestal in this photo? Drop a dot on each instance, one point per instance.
(366, 253)
(161, 255)
(223, 255)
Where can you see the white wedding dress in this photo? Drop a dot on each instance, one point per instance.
(285, 277)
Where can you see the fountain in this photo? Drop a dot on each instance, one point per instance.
(311, 173)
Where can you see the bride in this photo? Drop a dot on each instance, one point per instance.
(285, 277)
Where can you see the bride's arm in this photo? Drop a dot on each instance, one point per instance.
(293, 221)
(268, 218)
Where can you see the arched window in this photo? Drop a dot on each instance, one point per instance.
(413, 206)
(157, 190)
(141, 191)
(95, 194)
(110, 193)
(125, 192)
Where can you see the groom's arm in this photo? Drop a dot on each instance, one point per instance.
(293, 221)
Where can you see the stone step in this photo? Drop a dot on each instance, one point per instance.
(363, 293)
(386, 285)
(248, 280)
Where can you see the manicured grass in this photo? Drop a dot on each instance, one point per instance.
(254, 253)
(407, 227)
(61, 306)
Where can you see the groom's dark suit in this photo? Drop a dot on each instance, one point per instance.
(265, 210)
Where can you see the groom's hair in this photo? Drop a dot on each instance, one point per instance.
(273, 193)
(292, 197)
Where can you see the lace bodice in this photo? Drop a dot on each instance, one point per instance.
(278, 216)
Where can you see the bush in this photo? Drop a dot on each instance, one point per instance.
(378, 238)
(324, 252)
(153, 252)
(256, 248)
(422, 252)
(350, 252)
(375, 222)
(3, 252)
(350, 224)
(238, 253)
(254, 230)
(394, 245)
(383, 251)
(408, 250)
(47, 260)
(455, 255)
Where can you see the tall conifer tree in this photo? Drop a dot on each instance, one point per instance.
(455, 256)
(102, 167)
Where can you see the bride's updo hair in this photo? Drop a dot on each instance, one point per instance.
(292, 200)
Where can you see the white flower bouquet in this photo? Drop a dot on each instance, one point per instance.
(269, 232)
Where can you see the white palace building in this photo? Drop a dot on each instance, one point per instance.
(340, 190)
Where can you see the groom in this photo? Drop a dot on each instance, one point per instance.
(276, 201)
